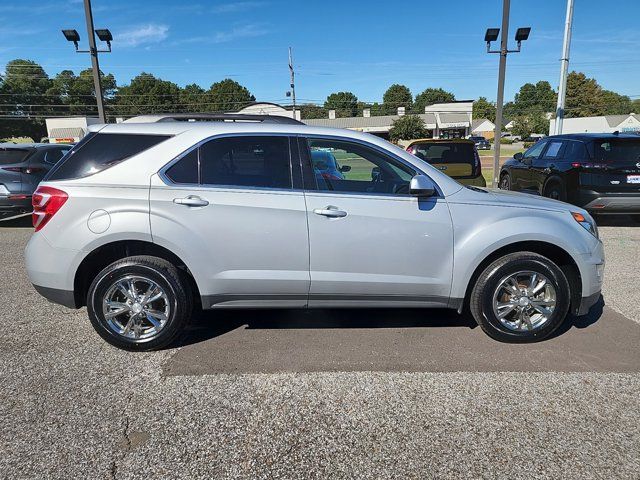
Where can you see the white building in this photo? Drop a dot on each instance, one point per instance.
(68, 129)
(442, 120)
(605, 124)
(267, 108)
(483, 127)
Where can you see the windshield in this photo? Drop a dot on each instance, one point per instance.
(12, 155)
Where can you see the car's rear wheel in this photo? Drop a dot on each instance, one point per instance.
(521, 297)
(139, 303)
(556, 191)
(505, 182)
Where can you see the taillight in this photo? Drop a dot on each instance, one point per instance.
(46, 202)
(26, 170)
(600, 166)
(13, 169)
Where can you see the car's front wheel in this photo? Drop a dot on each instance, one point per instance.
(521, 297)
(139, 303)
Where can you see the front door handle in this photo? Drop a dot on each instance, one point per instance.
(191, 201)
(330, 211)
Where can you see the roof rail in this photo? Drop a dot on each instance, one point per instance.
(213, 117)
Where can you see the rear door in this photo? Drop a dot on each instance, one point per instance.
(616, 166)
(230, 207)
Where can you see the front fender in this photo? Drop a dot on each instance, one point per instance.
(475, 240)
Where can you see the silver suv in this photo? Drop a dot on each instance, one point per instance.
(144, 222)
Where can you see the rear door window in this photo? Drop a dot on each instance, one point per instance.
(101, 151)
(575, 151)
(553, 150)
(246, 161)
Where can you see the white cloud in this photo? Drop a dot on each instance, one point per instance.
(236, 7)
(142, 34)
(236, 33)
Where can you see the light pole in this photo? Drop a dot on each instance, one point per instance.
(105, 36)
(293, 83)
(491, 36)
(564, 66)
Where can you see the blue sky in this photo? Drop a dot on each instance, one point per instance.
(338, 45)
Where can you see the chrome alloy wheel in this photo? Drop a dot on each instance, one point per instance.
(136, 307)
(524, 301)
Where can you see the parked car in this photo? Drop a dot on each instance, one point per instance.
(458, 158)
(481, 143)
(22, 167)
(599, 172)
(325, 165)
(143, 222)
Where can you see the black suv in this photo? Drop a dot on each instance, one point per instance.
(22, 167)
(599, 172)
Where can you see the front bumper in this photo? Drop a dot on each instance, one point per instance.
(587, 302)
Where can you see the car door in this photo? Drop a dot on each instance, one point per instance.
(521, 176)
(230, 207)
(371, 242)
(545, 165)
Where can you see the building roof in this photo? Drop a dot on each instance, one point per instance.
(67, 132)
(615, 120)
(479, 121)
(381, 121)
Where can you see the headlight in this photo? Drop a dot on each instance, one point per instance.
(587, 223)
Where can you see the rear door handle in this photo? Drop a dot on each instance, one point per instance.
(191, 201)
(330, 211)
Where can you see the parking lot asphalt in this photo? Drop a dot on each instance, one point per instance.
(339, 394)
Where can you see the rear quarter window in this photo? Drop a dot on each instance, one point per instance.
(99, 151)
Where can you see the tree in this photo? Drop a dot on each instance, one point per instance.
(344, 103)
(228, 96)
(482, 108)
(615, 104)
(635, 106)
(408, 127)
(147, 94)
(77, 93)
(310, 110)
(535, 98)
(23, 88)
(431, 96)
(397, 96)
(584, 96)
(525, 125)
(193, 99)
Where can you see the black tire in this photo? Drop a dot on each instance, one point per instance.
(161, 272)
(505, 182)
(555, 190)
(481, 300)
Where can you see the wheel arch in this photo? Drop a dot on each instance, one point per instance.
(553, 179)
(108, 253)
(553, 252)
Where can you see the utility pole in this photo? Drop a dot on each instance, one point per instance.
(564, 67)
(93, 50)
(502, 69)
(491, 36)
(293, 83)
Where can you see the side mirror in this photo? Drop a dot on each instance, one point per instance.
(421, 186)
(345, 168)
(518, 156)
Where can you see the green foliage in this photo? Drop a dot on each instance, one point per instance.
(408, 127)
(525, 125)
(228, 96)
(147, 94)
(77, 93)
(312, 111)
(192, 98)
(431, 96)
(344, 103)
(585, 97)
(482, 108)
(506, 141)
(397, 96)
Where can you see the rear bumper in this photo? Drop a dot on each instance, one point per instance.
(61, 297)
(598, 202)
(15, 206)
